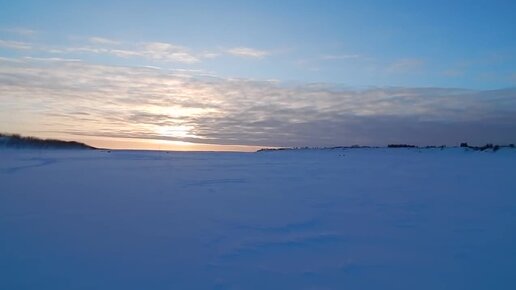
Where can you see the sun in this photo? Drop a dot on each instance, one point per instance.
(176, 131)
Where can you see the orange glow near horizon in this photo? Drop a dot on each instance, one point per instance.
(163, 145)
(117, 143)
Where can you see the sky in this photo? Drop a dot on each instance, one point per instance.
(242, 75)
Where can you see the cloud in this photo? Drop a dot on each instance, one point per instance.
(168, 52)
(155, 51)
(149, 50)
(103, 41)
(17, 45)
(149, 103)
(51, 59)
(209, 55)
(248, 52)
(20, 31)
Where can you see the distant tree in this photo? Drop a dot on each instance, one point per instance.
(400, 146)
(485, 147)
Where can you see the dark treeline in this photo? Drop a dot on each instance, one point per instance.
(486, 147)
(401, 146)
(18, 141)
(314, 148)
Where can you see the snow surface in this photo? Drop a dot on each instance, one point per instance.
(340, 219)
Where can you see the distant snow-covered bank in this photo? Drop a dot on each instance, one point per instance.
(18, 141)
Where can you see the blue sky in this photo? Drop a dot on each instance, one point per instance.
(292, 45)
(356, 43)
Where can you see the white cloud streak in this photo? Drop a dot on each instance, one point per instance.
(20, 31)
(103, 41)
(340, 56)
(168, 52)
(17, 45)
(248, 52)
(159, 51)
(155, 51)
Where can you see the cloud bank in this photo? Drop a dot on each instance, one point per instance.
(73, 97)
(248, 52)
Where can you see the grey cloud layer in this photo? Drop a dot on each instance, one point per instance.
(133, 102)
